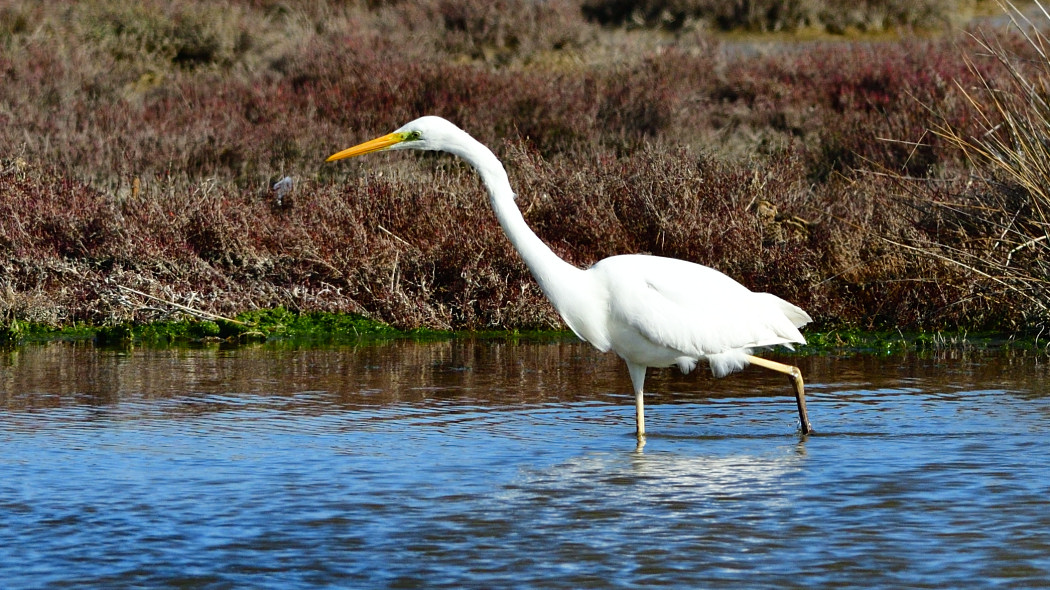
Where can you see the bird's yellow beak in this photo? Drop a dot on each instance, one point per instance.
(375, 145)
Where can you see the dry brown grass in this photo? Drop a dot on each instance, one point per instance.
(995, 223)
(142, 142)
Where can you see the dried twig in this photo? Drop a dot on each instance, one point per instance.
(195, 312)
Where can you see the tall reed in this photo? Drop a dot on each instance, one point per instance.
(998, 226)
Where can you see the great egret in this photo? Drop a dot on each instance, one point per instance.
(651, 311)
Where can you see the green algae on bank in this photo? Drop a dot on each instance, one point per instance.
(264, 325)
(252, 326)
(280, 324)
(890, 342)
(15, 332)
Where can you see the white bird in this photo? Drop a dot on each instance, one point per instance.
(649, 310)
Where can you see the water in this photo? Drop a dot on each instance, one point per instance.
(489, 464)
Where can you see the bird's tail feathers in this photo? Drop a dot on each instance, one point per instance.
(795, 314)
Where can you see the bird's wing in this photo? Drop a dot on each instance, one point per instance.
(694, 309)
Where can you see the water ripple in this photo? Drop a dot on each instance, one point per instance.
(384, 468)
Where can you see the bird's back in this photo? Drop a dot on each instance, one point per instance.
(663, 311)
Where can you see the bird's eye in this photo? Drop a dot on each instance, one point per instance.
(413, 136)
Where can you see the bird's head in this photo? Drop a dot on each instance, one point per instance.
(425, 133)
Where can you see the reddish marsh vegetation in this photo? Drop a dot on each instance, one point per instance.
(141, 142)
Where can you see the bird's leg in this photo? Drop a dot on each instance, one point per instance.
(796, 380)
(638, 380)
(639, 412)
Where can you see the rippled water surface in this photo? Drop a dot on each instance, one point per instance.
(498, 464)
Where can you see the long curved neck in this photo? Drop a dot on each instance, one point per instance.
(556, 277)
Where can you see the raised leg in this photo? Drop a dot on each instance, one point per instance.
(638, 380)
(796, 380)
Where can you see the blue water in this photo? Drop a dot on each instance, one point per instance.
(514, 465)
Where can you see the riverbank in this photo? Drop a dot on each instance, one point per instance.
(281, 327)
(144, 142)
